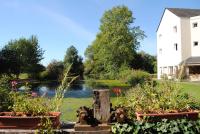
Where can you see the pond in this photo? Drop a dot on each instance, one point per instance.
(80, 90)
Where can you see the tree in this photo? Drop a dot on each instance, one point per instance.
(75, 61)
(144, 61)
(115, 44)
(9, 62)
(28, 53)
(54, 70)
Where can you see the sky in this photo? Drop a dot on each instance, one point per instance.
(58, 24)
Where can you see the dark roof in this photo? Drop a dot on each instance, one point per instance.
(191, 61)
(182, 12)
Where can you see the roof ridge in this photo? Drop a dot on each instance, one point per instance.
(184, 12)
(179, 8)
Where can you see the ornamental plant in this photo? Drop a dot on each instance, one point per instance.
(164, 97)
(165, 126)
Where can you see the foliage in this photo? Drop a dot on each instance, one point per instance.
(75, 61)
(5, 82)
(45, 126)
(144, 62)
(27, 52)
(5, 100)
(114, 45)
(9, 61)
(164, 97)
(134, 77)
(31, 106)
(182, 126)
(54, 71)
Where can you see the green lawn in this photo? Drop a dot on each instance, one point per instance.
(70, 105)
(192, 88)
(106, 83)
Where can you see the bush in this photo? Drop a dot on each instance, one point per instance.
(5, 82)
(5, 100)
(31, 106)
(182, 126)
(162, 98)
(53, 71)
(43, 75)
(134, 77)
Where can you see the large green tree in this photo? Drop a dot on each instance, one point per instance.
(28, 53)
(114, 45)
(75, 61)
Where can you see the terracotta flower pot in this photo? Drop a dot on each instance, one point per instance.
(29, 122)
(171, 116)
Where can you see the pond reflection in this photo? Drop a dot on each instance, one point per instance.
(81, 90)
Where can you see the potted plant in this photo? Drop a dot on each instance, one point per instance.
(29, 112)
(164, 100)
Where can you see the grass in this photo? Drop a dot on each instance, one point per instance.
(70, 105)
(191, 88)
(23, 76)
(106, 83)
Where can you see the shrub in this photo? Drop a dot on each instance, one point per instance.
(43, 75)
(31, 106)
(164, 97)
(134, 77)
(5, 82)
(182, 126)
(5, 100)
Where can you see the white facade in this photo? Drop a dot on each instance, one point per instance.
(195, 35)
(176, 37)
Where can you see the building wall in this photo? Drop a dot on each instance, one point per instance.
(167, 37)
(185, 39)
(195, 35)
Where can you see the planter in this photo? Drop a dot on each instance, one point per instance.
(171, 116)
(29, 122)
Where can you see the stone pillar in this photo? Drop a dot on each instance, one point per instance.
(102, 105)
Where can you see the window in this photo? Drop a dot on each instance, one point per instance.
(196, 43)
(176, 46)
(175, 29)
(195, 24)
(170, 70)
(160, 35)
(160, 51)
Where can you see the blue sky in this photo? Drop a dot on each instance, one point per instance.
(59, 24)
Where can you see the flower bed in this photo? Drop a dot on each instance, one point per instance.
(10, 121)
(164, 100)
(193, 115)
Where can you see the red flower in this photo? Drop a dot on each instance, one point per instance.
(117, 91)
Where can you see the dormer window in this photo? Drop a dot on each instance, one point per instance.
(175, 29)
(195, 24)
(196, 43)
